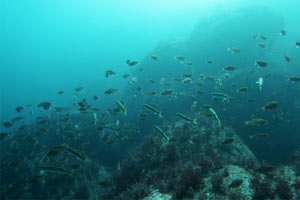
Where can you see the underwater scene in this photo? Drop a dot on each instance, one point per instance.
(149, 100)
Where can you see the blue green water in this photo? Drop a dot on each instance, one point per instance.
(52, 46)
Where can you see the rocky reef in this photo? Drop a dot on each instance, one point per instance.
(198, 164)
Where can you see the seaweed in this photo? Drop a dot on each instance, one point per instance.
(217, 184)
(235, 196)
(283, 190)
(262, 190)
(189, 181)
(82, 192)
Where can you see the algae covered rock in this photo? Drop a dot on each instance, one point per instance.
(156, 195)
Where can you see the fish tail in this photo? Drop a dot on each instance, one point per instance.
(167, 139)
(71, 172)
(195, 121)
(219, 123)
(160, 115)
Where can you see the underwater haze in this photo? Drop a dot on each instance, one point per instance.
(149, 99)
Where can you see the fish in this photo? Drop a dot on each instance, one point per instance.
(229, 68)
(209, 62)
(151, 81)
(256, 122)
(251, 100)
(219, 94)
(84, 145)
(150, 107)
(125, 76)
(260, 83)
(297, 44)
(208, 78)
(133, 80)
(228, 141)
(120, 104)
(3, 136)
(131, 63)
(57, 150)
(58, 109)
(79, 89)
(181, 58)
(60, 92)
(270, 105)
(261, 63)
(187, 63)
(14, 151)
(200, 92)
(243, 90)
(219, 81)
(263, 37)
(16, 163)
(265, 169)
(234, 50)
(19, 109)
(161, 132)
(283, 32)
(255, 36)
(111, 91)
(259, 136)
(236, 183)
(207, 106)
(151, 93)
(95, 97)
(105, 184)
(110, 127)
(109, 73)
(187, 75)
(194, 121)
(154, 57)
(55, 169)
(22, 127)
(194, 105)
(187, 80)
(199, 84)
(95, 118)
(44, 105)
(167, 92)
(262, 45)
(216, 116)
(78, 155)
(287, 58)
(16, 119)
(7, 124)
(294, 79)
